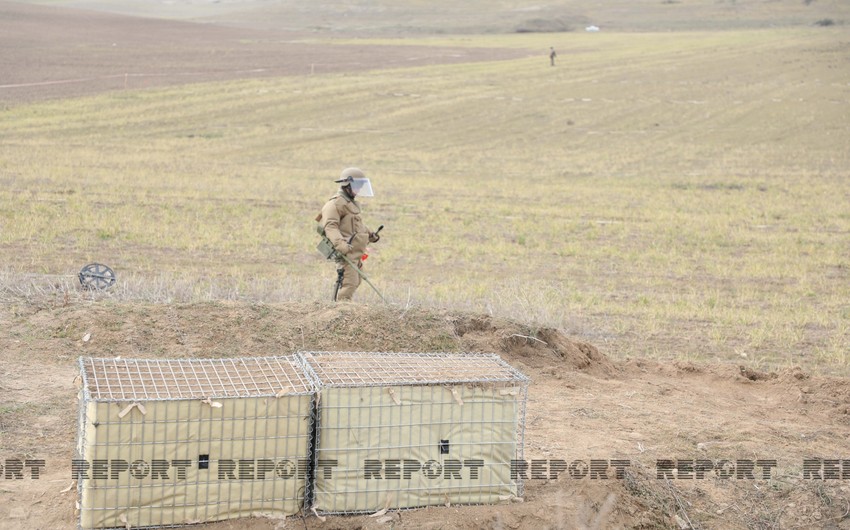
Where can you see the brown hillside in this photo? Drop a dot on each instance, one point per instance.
(54, 52)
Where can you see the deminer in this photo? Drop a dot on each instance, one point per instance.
(341, 224)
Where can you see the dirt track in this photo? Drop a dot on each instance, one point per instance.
(582, 406)
(48, 53)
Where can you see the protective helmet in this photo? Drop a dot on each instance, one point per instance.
(355, 178)
(349, 174)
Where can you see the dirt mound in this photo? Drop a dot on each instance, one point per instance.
(233, 329)
(535, 347)
(622, 419)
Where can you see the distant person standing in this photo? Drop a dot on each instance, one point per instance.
(552, 56)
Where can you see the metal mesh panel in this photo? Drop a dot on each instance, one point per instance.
(144, 379)
(402, 430)
(173, 442)
(336, 369)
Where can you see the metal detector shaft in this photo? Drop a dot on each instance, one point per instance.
(362, 275)
(326, 248)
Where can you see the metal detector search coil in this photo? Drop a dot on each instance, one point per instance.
(96, 277)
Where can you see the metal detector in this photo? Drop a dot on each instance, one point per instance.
(96, 277)
(327, 250)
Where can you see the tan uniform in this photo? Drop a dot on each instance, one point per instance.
(343, 225)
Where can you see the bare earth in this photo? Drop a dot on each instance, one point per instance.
(582, 406)
(49, 53)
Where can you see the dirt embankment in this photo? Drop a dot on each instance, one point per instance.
(582, 407)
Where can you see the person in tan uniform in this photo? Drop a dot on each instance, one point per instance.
(343, 226)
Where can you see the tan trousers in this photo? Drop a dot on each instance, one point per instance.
(350, 281)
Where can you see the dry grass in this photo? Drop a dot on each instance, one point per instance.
(660, 195)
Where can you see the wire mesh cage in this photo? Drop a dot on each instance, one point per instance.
(405, 430)
(173, 442)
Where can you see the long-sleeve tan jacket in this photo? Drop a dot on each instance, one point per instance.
(343, 225)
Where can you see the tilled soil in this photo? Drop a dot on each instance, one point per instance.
(52, 53)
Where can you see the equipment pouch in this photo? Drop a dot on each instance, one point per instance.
(326, 248)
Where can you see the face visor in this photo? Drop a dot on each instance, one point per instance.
(361, 187)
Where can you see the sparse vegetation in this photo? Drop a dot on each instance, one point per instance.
(724, 221)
